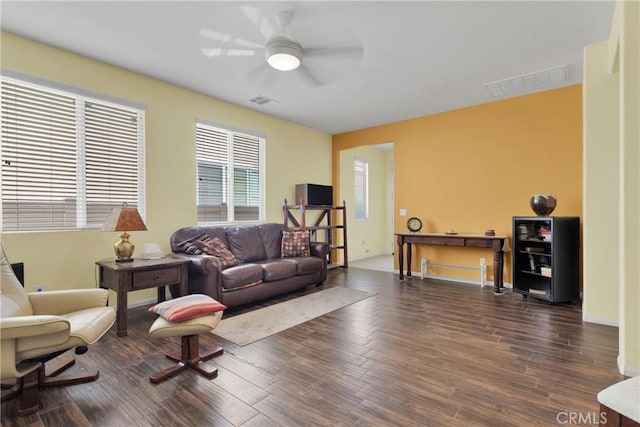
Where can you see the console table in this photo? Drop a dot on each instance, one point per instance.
(457, 240)
(139, 274)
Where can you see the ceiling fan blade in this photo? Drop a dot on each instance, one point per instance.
(227, 38)
(266, 29)
(344, 52)
(262, 75)
(216, 52)
(255, 17)
(308, 77)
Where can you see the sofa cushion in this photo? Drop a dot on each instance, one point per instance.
(295, 244)
(306, 265)
(240, 275)
(278, 270)
(271, 234)
(245, 243)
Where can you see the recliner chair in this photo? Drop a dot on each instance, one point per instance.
(37, 327)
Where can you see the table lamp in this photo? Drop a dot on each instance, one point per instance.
(124, 219)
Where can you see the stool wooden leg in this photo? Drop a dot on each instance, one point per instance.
(167, 373)
(214, 352)
(189, 357)
(192, 342)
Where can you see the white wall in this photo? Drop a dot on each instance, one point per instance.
(373, 236)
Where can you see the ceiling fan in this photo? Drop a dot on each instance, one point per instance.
(281, 51)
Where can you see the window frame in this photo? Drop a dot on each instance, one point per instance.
(83, 101)
(228, 174)
(362, 164)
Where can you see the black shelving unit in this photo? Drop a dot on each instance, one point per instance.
(546, 257)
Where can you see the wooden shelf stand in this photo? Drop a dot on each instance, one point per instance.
(330, 227)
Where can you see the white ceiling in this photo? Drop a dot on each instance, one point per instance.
(419, 57)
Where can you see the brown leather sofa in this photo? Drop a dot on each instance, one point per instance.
(262, 272)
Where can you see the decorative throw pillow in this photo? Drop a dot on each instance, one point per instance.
(203, 244)
(295, 244)
(187, 307)
(190, 247)
(217, 248)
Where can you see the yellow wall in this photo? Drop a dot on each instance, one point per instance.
(629, 140)
(362, 241)
(612, 183)
(475, 168)
(601, 188)
(66, 259)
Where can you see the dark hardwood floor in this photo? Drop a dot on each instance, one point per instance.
(419, 353)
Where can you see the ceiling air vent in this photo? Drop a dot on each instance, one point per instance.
(527, 82)
(261, 100)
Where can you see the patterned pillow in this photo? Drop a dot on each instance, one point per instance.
(187, 307)
(295, 244)
(190, 247)
(203, 244)
(217, 248)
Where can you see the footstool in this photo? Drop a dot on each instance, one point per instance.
(187, 317)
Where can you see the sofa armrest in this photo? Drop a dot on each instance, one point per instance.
(319, 249)
(201, 264)
(205, 275)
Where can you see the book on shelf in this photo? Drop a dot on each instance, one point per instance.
(545, 271)
(537, 292)
(533, 249)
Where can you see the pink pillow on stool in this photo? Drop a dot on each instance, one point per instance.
(187, 307)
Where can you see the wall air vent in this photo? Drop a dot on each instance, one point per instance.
(261, 100)
(528, 82)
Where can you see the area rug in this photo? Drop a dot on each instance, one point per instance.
(250, 327)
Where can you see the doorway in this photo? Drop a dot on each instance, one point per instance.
(370, 230)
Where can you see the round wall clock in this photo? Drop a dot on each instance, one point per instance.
(414, 224)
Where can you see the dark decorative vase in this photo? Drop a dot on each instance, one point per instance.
(543, 204)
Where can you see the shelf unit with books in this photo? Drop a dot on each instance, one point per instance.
(546, 257)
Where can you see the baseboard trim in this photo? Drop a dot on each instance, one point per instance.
(360, 258)
(600, 320)
(629, 371)
(144, 302)
(140, 303)
(489, 283)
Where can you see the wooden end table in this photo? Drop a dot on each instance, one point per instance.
(141, 274)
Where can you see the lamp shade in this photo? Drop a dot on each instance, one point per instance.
(124, 219)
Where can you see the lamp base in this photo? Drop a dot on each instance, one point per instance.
(124, 249)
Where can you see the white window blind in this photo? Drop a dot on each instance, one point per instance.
(67, 160)
(230, 173)
(361, 179)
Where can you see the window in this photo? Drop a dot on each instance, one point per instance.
(361, 179)
(230, 173)
(67, 159)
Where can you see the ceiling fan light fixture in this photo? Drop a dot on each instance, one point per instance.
(283, 54)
